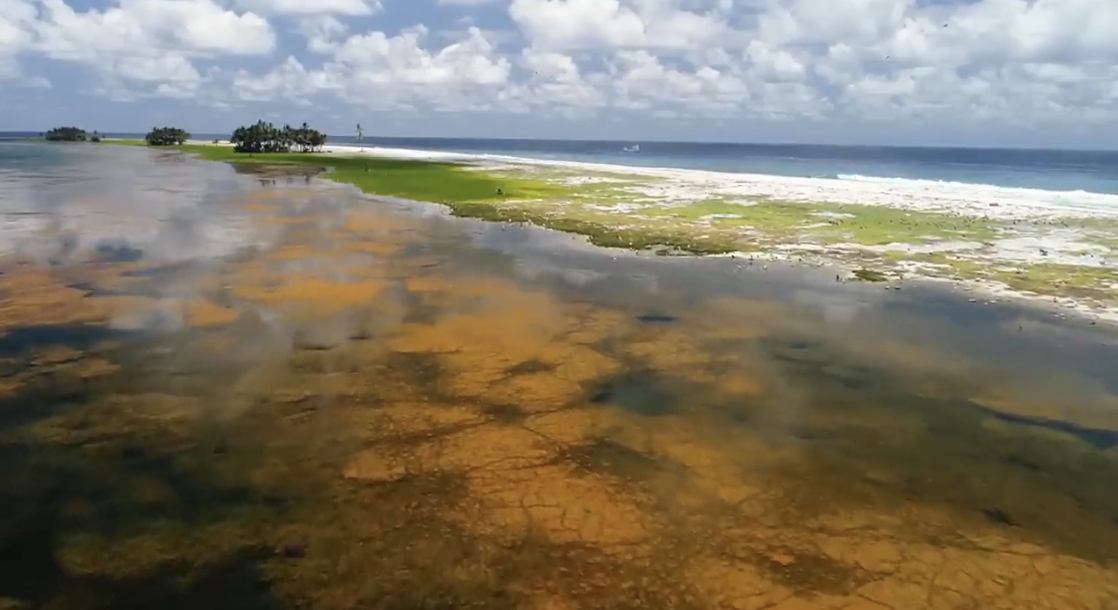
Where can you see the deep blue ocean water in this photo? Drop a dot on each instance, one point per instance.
(1049, 170)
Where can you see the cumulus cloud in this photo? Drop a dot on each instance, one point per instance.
(149, 27)
(145, 44)
(871, 60)
(312, 7)
(468, 2)
(376, 70)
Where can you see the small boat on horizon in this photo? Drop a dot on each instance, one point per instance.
(634, 148)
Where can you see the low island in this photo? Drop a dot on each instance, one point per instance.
(878, 233)
(71, 134)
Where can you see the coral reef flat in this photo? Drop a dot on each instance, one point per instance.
(221, 389)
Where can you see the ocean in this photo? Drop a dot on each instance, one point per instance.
(1068, 172)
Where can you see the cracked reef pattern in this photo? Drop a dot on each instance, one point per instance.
(373, 409)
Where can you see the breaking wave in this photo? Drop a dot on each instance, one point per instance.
(1075, 197)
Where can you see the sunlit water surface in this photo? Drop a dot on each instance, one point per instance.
(230, 391)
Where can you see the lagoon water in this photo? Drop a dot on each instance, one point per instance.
(223, 390)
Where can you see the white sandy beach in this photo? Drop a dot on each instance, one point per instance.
(689, 184)
(1032, 225)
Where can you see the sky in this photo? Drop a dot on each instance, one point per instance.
(1023, 73)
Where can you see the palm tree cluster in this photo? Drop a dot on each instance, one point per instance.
(264, 137)
(66, 134)
(167, 136)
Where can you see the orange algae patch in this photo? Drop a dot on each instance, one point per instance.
(324, 295)
(31, 297)
(577, 363)
(565, 506)
(510, 348)
(511, 474)
(503, 333)
(725, 583)
(531, 392)
(592, 324)
(300, 252)
(203, 313)
(378, 248)
(675, 351)
(364, 222)
(107, 276)
(284, 221)
(427, 284)
(10, 386)
(125, 308)
(738, 383)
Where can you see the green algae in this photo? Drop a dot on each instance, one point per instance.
(598, 230)
(435, 182)
(727, 214)
(1049, 279)
(870, 275)
(1052, 278)
(881, 225)
(1106, 240)
(829, 223)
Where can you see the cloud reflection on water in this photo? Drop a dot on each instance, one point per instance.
(435, 388)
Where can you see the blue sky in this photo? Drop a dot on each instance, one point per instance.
(985, 72)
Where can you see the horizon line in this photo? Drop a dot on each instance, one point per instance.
(4, 133)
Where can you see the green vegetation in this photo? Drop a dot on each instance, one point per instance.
(473, 193)
(878, 225)
(446, 183)
(1051, 279)
(1107, 240)
(870, 275)
(166, 136)
(868, 225)
(267, 138)
(600, 231)
(66, 134)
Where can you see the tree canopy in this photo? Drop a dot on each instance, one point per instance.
(66, 134)
(167, 136)
(264, 137)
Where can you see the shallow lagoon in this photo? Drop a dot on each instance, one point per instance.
(229, 391)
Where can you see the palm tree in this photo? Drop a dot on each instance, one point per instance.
(266, 138)
(359, 132)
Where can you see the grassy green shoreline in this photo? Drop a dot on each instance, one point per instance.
(468, 192)
(611, 209)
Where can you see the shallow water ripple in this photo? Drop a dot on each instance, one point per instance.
(350, 403)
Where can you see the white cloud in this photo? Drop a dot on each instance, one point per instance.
(322, 33)
(381, 71)
(551, 66)
(149, 27)
(312, 7)
(16, 17)
(1028, 61)
(151, 44)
